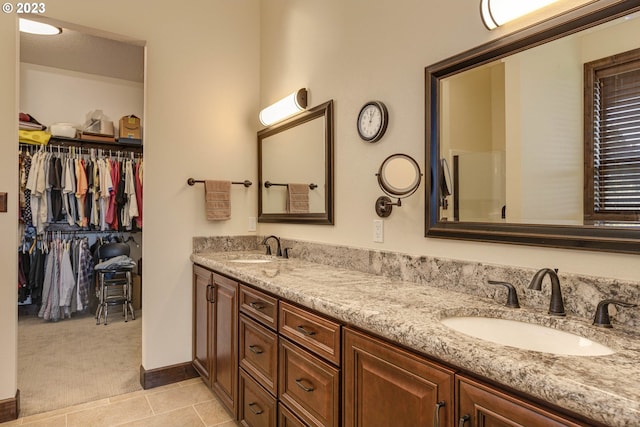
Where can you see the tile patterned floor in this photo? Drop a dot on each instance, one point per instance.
(185, 404)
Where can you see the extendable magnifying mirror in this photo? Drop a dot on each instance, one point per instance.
(399, 176)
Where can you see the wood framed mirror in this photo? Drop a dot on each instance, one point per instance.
(295, 168)
(525, 115)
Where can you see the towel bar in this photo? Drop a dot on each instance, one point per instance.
(246, 182)
(268, 184)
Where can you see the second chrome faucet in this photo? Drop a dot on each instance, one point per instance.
(556, 306)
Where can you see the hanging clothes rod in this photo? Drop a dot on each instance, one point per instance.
(246, 182)
(268, 184)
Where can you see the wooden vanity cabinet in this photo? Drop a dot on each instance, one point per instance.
(215, 326)
(385, 385)
(479, 405)
(273, 363)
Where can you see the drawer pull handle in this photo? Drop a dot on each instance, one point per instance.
(254, 410)
(463, 420)
(305, 331)
(256, 349)
(436, 416)
(299, 383)
(257, 305)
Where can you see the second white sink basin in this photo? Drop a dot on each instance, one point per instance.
(526, 336)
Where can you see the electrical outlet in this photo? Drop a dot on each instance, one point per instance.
(252, 223)
(378, 230)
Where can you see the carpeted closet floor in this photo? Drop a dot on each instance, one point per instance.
(75, 361)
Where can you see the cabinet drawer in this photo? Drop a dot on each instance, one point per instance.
(260, 306)
(286, 418)
(259, 353)
(315, 333)
(257, 408)
(309, 386)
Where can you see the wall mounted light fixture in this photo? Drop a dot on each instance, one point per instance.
(40, 28)
(496, 12)
(287, 106)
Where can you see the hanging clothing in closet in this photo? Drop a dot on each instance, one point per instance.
(30, 271)
(88, 191)
(68, 275)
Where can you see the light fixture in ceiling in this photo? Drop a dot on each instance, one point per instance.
(40, 28)
(496, 12)
(287, 106)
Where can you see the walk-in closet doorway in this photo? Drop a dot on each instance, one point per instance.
(64, 358)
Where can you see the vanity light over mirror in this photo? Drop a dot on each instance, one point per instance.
(513, 121)
(399, 176)
(295, 168)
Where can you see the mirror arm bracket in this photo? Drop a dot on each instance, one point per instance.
(384, 206)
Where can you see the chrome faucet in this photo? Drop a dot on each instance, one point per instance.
(266, 243)
(556, 306)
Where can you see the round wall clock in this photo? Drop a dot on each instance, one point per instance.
(372, 121)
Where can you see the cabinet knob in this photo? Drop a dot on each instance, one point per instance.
(305, 331)
(463, 420)
(300, 383)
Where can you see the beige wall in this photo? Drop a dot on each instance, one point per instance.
(202, 89)
(357, 50)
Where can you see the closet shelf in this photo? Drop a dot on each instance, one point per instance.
(87, 143)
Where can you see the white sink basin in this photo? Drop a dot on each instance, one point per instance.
(526, 336)
(250, 260)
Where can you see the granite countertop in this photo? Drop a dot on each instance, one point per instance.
(602, 388)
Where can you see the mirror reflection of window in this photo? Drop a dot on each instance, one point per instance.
(612, 139)
(521, 119)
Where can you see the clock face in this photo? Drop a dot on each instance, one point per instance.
(372, 121)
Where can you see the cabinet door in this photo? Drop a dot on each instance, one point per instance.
(224, 374)
(482, 406)
(388, 386)
(202, 312)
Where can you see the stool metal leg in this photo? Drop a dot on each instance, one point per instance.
(129, 305)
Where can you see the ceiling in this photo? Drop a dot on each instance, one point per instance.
(82, 52)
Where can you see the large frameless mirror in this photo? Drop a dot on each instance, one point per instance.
(295, 168)
(510, 137)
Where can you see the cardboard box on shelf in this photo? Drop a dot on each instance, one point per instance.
(130, 127)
